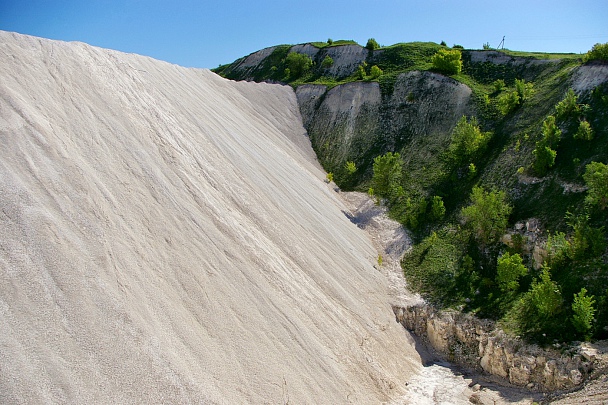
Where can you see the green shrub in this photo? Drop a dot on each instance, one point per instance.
(361, 71)
(524, 90)
(298, 64)
(350, 167)
(568, 107)
(584, 131)
(545, 153)
(546, 295)
(472, 171)
(372, 44)
(558, 248)
(467, 140)
(551, 133)
(488, 214)
(544, 158)
(448, 61)
(586, 241)
(327, 62)
(387, 174)
(583, 311)
(597, 52)
(432, 265)
(596, 179)
(535, 313)
(509, 269)
(499, 85)
(437, 208)
(507, 102)
(375, 72)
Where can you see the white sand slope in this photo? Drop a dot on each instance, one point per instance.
(166, 237)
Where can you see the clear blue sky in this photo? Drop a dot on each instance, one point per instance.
(209, 33)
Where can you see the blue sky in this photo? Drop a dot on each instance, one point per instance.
(209, 33)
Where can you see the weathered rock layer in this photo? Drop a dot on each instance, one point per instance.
(477, 344)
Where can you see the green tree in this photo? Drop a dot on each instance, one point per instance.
(597, 52)
(584, 131)
(387, 173)
(544, 158)
(488, 214)
(524, 90)
(583, 312)
(545, 153)
(372, 44)
(327, 62)
(350, 167)
(596, 179)
(448, 61)
(551, 133)
(507, 102)
(545, 295)
(536, 311)
(298, 64)
(472, 171)
(558, 248)
(375, 72)
(361, 71)
(437, 208)
(467, 139)
(568, 107)
(499, 85)
(509, 269)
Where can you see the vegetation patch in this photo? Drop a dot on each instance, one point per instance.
(529, 148)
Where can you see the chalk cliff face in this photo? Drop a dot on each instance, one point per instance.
(356, 122)
(167, 237)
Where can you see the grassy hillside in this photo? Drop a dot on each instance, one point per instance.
(525, 147)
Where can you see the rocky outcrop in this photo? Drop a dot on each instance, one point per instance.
(356, 121)
(344, 122)
(426, 104)
(501, 58)
(589, 76)
(478, 345)
(346, 58)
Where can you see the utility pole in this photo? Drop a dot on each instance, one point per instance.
(501, 43)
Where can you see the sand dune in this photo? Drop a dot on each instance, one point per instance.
(167, 237)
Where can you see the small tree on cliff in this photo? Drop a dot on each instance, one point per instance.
(447, 61)
(488, 214)
(387, 173)
(372, 44)
(509, 269)
(582, 307)
(467, 140)
(596, 179)
(298, 64)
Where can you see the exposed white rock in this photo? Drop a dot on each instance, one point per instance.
(167, 237)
